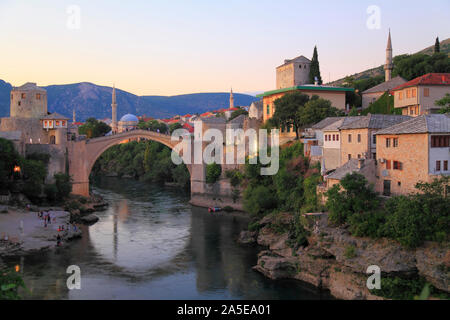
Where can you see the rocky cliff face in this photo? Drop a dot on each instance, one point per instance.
(328, 263)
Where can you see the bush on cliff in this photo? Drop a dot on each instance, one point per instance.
(9, 158)
(411, 220)
(351, 196)
(213, 172)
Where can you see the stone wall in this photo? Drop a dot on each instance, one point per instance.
(57, 163)
(412, 152)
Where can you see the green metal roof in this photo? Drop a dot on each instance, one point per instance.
(312, 88)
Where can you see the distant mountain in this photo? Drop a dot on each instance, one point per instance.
(445, 47)
(90, 100)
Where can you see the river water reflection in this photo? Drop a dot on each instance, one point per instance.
(151, 244)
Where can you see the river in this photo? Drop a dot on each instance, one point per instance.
(152, 244)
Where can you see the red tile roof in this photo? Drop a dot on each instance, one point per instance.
(430, 79)
(188, 116)
(188, 127)
(78, 123)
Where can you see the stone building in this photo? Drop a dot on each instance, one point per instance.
(256, 110)
(294, 72)
(358, 139)
(331, 143)
(371, 95)
(33, 129)
(418, 96)
(412, 151)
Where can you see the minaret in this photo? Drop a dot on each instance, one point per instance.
(74, 117)
(114, 110)
(231, 99)
(389, 66)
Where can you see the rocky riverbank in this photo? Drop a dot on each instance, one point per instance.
(336, 261)
(22, 231)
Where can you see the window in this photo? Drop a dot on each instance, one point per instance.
(282, 129)
(12, 97)
(24, 95)
(349, 157)
(399, 184)
(337, 137)
(334, 137)
(411, 111)
(388, 142)
(400, 95)
(408, 94)
(268, 109)
(38, 96)
(426, 92)
(440, 141)
(438, 165)
(18, 103)
(374, 156)
(388, 164)
(414, 93)
(374, 139)
(446, 165)
(397, 165)
(359, 138)
(326, 137)
(359, 156)
(288, 128)
(395, 142)
(349, 138)
(63, 123)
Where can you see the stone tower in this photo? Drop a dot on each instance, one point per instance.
(28, 101)
(389, 66)
(114, 111)
(74, 119)
(231, 99)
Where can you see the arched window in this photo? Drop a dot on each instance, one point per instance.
(52, 140)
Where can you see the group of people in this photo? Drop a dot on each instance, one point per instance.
(64, 229)
(46, 216)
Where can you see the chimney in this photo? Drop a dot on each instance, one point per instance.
(361, 163)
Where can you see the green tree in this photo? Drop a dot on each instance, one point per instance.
(94, 128)
(34, 173)
(174, 126)
(213, 172)
(259, 199)
(315, 68)
(287, 108)
(351, 196)
(353, 113)
(437, 46)
(315, 110)
(10, 283)
(444, 103)
(416, 65)
(63, 183)
(9, 158)
(237, 113)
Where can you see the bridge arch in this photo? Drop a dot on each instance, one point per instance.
(82, 155)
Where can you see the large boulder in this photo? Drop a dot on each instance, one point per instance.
(89, 219)
(389, 255)
(433, 262)
(247, 237)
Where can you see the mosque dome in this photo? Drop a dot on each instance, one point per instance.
(129, 118)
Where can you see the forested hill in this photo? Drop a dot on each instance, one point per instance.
(90, 100)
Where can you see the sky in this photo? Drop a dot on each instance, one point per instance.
(189, 46)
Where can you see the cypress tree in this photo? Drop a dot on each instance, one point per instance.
(315, 68)
(437, 46)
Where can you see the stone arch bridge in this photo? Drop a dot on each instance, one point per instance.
(82, 156)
